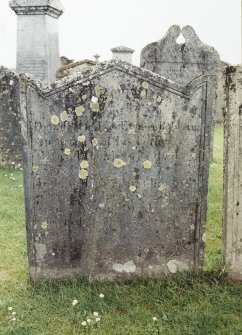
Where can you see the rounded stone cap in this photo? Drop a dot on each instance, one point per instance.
(122, 49)
(52, 8)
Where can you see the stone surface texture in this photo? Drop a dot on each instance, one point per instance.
(37, 37)
(116, 173)
(10, 136)
(233, 172)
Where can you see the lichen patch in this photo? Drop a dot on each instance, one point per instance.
(132, 188)
(44, 225)
(145, 85)
(118, 163)
(94, 106)
(147, 164)
(94, 142)
(79, 110)
(162, 187)
(97, 90)
(83, 174)
(35, 168)
(67, 151)
(54, 120)
(143, 93)
(64, 116)
(81, 138)
(84, 164)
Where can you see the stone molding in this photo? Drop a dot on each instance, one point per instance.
(54, 10)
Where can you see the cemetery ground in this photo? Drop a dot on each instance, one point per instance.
(196, 303)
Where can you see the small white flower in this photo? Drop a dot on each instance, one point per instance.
(97, 319)
(10, 308)
(101, 296)
(74, 302)
(14, 313)
(89, 321)
(84, 323)
(155, 318)
(95, 313)
(13, 319)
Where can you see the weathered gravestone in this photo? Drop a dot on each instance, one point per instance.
(233, 172)
(116, 173)
(183, 62)
(10, 135)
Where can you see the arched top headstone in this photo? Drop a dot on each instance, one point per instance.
(180, 62)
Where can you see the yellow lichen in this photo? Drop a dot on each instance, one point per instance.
(81, 138)
(147, 164)
(94, 106)
(64, 116)
(159, 99)
(83, 174)
(54, 120)
(67, 151)
(44, 225)
(145, 85)
(35, 168)
(162, 187)
(97, 90)
(79, 110)
(132, 188)
(94, 142)
(118, 163)
(143, 93)
(84, 164)
(84, 97)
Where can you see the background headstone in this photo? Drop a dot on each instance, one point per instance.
(116, 173)
(10, 134)
(184, 62)
(232, 243)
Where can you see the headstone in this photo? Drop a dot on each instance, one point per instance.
(10, 135)
(116, 173)
(183, 62)
(37, 37)
(232, 242)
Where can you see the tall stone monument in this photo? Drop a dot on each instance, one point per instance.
(116, 173)
(37, 37)
(232, 231)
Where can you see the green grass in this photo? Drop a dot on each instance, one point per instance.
(198, 303)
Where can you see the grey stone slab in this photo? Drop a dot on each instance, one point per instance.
(232, 228)
(180, 62)
(116, 173)
(10, 134)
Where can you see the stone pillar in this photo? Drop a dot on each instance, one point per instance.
(37, 37)
(232, 232)
(123, 53)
